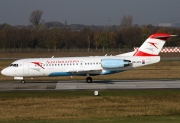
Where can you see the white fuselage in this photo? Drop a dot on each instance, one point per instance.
(75, 66)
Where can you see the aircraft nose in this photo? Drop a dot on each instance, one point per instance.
(5, 72)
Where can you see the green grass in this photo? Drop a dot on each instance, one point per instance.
(126, 106)
(133, 119)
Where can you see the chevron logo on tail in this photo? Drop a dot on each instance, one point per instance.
(156, 42)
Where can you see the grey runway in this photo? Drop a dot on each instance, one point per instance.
(82, 85)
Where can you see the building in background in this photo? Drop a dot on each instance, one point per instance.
(165, 24)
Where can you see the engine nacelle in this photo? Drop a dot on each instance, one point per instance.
(114, 63)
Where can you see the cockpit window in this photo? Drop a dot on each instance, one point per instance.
(13, 65)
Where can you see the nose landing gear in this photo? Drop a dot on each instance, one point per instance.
(22, 81)
(89, 79)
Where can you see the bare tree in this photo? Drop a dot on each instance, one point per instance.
(126, 21)
(35, 17)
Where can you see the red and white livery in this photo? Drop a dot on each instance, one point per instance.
(88, 66)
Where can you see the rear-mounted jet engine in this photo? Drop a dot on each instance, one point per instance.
(114, 63)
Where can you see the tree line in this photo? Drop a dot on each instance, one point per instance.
(40, 36)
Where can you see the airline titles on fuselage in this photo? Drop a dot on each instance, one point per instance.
(61, 61)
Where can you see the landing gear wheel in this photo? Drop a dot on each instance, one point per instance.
(22, 81)
(89, 80)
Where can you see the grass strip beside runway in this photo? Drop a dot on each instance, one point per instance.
(125, 106)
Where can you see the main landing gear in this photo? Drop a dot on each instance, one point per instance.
(89, 79)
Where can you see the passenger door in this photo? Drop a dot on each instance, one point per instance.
(26, 67)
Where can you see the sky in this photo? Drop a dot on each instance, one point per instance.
(91, 12)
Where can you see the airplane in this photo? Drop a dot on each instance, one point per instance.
(88, 66)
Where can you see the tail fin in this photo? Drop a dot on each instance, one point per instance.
(153, 45)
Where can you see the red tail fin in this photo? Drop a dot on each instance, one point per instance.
(153, 45)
